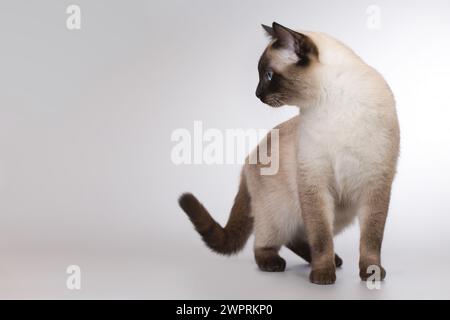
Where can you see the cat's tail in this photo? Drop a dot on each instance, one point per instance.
(231, 239)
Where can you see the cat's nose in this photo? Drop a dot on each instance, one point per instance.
(259, 92)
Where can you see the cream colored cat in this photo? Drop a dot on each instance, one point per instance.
(337, 160)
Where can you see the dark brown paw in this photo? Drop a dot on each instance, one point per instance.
(375, 272)
(325, 276)
(338, 261)
(272, 264)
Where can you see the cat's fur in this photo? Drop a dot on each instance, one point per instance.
(337, 160)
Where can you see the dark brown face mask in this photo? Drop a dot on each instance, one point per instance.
(275, 89)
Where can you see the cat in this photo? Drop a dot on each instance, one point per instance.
(337, 160)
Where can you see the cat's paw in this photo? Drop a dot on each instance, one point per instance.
(338, 261)
(371, 271)
(272, 264)
(323, 276)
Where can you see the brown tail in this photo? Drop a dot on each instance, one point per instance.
(231, 239)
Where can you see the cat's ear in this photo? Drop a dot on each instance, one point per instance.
(269, 31)
(286, 38)
(292, 40)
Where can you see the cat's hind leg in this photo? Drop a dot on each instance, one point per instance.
(269, 260)
(268, 242)
(301, 248)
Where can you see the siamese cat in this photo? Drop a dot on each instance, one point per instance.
(337, 160)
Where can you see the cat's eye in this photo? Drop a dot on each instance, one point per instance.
(269, 75)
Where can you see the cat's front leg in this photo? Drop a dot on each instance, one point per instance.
(372, 219)
(318, 213)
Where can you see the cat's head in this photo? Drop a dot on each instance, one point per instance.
(286, 68)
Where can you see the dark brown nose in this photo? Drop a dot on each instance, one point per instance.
(259, 91)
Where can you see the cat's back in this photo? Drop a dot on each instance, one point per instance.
(281, 145)
(279, 140)
(273, 196)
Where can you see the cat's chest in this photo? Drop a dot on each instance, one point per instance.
(339, 147)
(336, 133)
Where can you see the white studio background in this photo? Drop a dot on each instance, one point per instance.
(86, 118)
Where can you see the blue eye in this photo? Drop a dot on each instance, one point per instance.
(269, 75)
